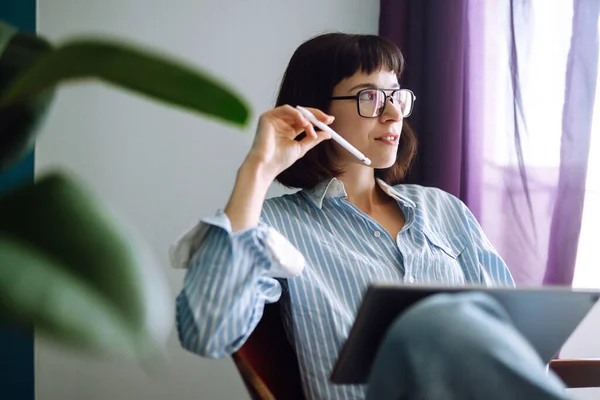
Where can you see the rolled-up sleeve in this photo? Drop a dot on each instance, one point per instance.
(230, 276)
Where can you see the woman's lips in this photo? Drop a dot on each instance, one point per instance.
(389, 139)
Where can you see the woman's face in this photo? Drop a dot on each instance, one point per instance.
(377, 138)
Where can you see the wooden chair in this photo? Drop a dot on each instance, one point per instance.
(267, 362)
(269, 367)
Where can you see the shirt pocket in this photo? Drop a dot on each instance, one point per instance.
(441, 257)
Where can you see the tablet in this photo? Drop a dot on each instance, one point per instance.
(545, 316)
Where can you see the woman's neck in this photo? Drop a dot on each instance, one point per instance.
(362, 188)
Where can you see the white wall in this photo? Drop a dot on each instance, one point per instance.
(163, 168)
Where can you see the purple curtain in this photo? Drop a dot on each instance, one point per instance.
(433, 35)
(466, 61)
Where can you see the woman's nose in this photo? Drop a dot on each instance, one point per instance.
(392, 109)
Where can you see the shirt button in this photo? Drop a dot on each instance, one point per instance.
(376, 234)
(411, 279)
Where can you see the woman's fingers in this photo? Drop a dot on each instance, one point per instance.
(310, 131)
(298, 122)
(309, 142)
(321, 116)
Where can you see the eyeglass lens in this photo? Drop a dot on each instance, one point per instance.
(372, 102)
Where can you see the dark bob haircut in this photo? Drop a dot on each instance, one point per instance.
(316, 67)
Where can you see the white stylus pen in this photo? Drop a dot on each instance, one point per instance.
(335, 136)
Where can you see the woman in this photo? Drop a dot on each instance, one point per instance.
(317, 250)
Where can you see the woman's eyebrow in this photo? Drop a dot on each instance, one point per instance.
(369, 85)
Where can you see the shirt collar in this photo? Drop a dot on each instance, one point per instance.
(335, 189)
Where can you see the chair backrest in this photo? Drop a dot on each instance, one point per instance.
(267, 362)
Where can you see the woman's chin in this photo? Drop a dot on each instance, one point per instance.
(379, 163)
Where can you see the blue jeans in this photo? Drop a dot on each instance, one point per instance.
(459, 346)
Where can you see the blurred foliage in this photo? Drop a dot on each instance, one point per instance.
(68, 266)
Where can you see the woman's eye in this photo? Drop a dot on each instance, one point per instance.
(368, 96)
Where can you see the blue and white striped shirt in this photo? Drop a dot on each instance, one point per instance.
(232, 275)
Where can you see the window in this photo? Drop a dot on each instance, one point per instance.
(542, 69)
(543, 98)
(587, 268)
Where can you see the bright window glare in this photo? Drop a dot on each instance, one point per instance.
(587, 269)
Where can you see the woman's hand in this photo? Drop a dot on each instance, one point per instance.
(275, 148)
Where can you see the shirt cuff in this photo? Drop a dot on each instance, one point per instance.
(286, 260)
(184, 248)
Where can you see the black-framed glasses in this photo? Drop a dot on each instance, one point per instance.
(371, 103)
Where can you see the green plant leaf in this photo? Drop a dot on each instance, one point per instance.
(132, 68)
(19, 122)
(37, 289)
(68, 268)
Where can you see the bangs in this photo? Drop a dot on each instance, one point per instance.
(367, 54)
